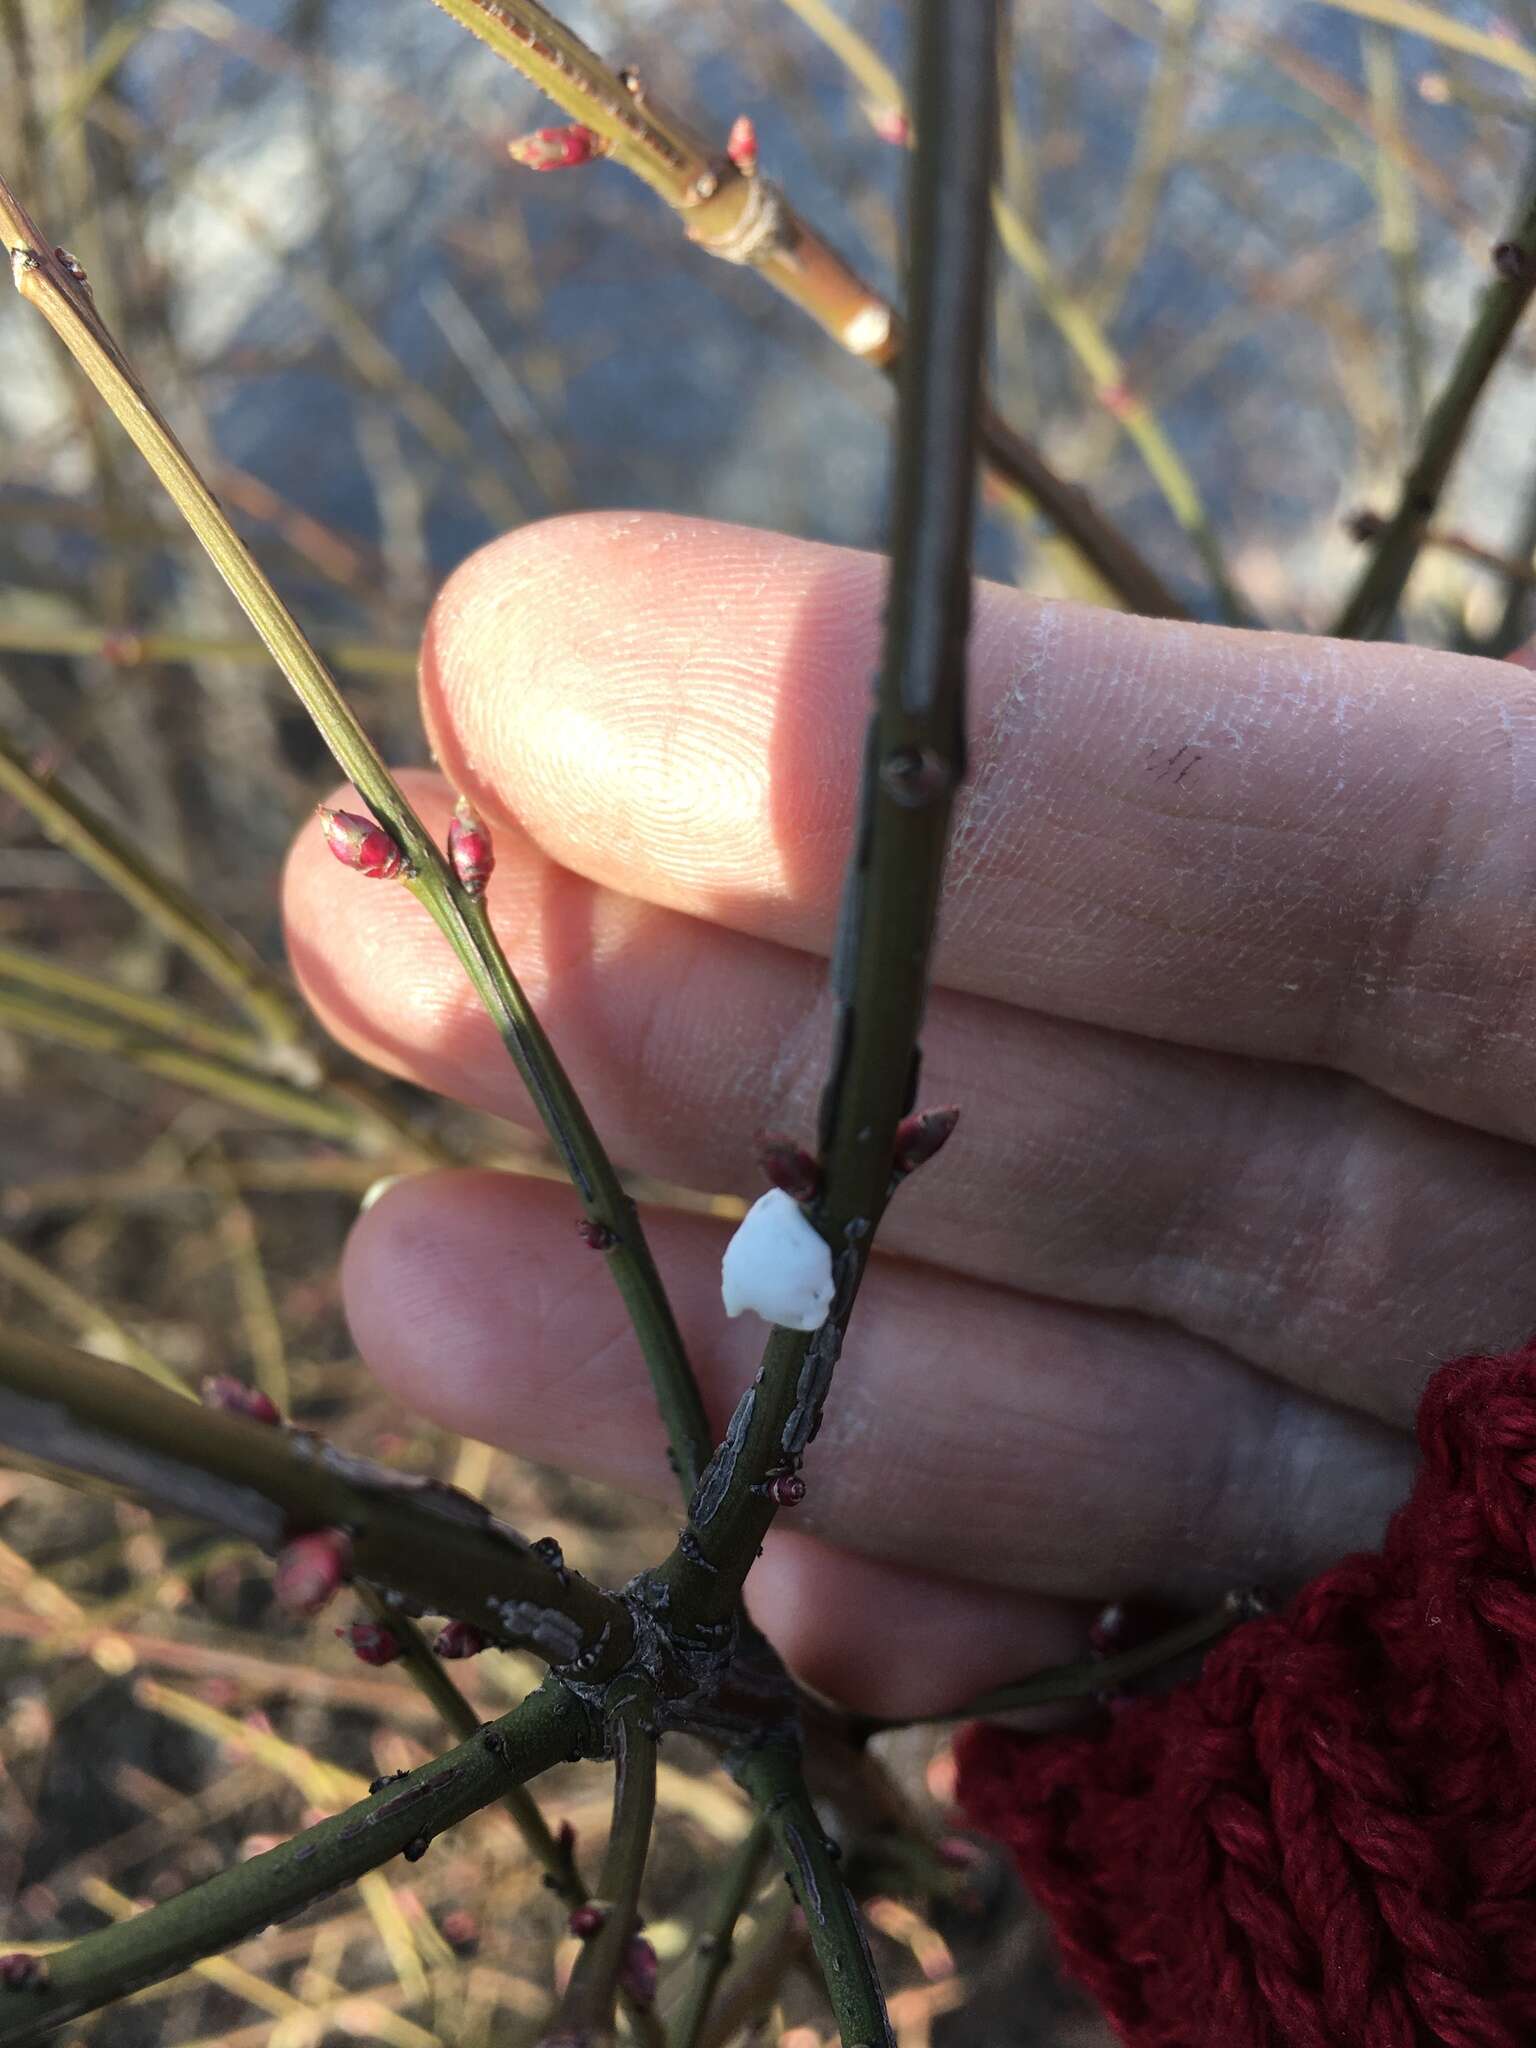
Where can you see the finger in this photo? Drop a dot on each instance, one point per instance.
(895, 1640)
(1250, 841)
(1297, 1218)
(1094, 1456)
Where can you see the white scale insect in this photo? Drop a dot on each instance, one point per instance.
(778, 1266)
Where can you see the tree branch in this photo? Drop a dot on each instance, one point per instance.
(84, 1420)
(745, 219)
(585, 2014)
(49, 281)
(914, 762)
(106, 1966)
(771, 1775)
(733, 1888)
(1369, 608)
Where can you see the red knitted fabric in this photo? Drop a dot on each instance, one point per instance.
(1328, 1838)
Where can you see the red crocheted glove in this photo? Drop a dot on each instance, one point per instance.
(1328, 1838)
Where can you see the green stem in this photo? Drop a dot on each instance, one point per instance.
(213, 1916)
(426, 1672)
(85, 1420)
(771, 1777)
(1097, 1675)
(732, 1889)
(587, 2007)
(914, 762)
(65, 302)
(1370, 606)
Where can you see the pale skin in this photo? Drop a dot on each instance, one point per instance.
(1236, 990)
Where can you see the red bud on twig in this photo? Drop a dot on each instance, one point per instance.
(469, 848)
(371, 1643)
(786, 1490)
(920, 1135)
(788, 1166)
(460, 1639)
(311, 1568)
(558, 149)
(361, 844)
(741, 146)
(236, 1398)
(638, 1971)
(586, 1920)
(596, 1237)
(20, 1972)
(460, 1929)
(891, 124)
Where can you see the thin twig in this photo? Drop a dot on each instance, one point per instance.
(586, 2007)
(348, 1112)
(1073, 317)
(746, 219)
(78, 1417)
(771, 1775)
(1097, 1675)
(222, 954)
(47, 280)
(714, 1949)
(130, 649)
(107, 1965)
(1370, 606)
(425, 1670)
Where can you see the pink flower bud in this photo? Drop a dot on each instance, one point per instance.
(23, 1973)
(469, 849)
(892, 125)
(459, 1639)
(638, 1971)
(921, 1135)
(788, 1166)
(786, 1490)
(596, 1237)
(370, 1642)
(236, 1398)
(311, 1568)
(361, 844)
(586, 1920)
(741, 146)
(557, 149)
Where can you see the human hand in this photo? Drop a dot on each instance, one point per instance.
(1234, 990)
